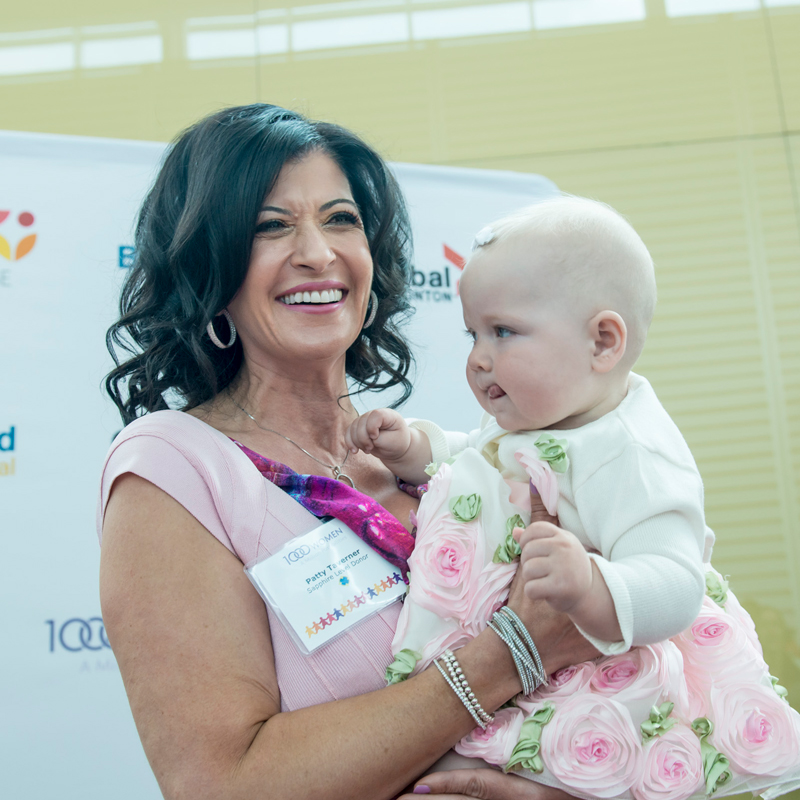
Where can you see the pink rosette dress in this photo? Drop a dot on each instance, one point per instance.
(684, 718)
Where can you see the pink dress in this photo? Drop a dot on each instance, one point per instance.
(223, 486)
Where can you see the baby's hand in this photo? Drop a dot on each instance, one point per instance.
(555, 566)
(382, 432)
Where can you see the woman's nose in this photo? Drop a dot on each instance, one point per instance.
(312, 249)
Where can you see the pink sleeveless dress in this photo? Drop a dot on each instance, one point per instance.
(225, 487)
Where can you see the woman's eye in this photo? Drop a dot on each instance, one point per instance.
(502, 333)
(344, 218)
(270, 226)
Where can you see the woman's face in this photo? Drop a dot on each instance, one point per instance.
(306, 291)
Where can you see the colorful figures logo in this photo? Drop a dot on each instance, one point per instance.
(25, 244)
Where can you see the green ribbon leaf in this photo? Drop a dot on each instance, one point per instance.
(526, 752)
(658, 722)
(717, 588)
(402, 666)
(553, 451)
(781, 691)
(431, 469)
(509, 548)
(716, 767)
(465, 507)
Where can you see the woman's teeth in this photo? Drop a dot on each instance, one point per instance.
(325, 296)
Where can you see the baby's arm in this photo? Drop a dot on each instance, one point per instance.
(384, 433)
(557, 568)
(644, 514)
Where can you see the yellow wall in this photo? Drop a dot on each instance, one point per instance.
(688, 124)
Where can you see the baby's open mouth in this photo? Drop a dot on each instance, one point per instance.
(495, 391)
(316, 298)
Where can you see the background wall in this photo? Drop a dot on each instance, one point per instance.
(683, 114)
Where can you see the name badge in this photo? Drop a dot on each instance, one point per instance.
(324, 582)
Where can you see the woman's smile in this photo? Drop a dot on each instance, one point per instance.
(317, 297)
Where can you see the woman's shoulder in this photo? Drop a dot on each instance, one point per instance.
(180, 426)
(199, 466)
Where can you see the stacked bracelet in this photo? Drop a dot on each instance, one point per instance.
(510, 628)
(459, 684)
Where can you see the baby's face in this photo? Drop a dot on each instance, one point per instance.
(530, 365)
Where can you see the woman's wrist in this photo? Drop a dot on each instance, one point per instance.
(490, 669)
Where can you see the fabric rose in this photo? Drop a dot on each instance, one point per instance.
(553, 451)
(497, 741)
(542, 477)
(402, 666)
(527, 751)
(673, 766)
(509, 550)
(744, 620)
(755, 729)
(592, 746)
(717, 652)
(491, 592)
(716, 587)
(448, 557)
(642, 678)
(564, 683)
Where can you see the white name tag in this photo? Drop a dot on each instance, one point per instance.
(324, 582)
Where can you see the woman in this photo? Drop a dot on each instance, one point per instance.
(255, 211)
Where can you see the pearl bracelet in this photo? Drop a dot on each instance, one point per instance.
(459, 684)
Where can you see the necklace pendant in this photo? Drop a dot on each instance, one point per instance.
(343, 477)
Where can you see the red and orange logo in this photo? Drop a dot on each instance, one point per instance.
(25, 244)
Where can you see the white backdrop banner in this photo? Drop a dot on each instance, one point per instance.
(67, 207)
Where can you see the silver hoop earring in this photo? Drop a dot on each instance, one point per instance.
(373, 301)
(212, 334)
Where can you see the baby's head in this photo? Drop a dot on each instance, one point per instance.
(558, 298)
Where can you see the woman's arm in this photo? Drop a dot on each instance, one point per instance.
(192, 641)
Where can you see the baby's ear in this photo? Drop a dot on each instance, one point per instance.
(610, 340)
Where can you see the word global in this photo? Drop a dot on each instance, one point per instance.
(433, 286)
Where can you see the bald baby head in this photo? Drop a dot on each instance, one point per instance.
(585, 253)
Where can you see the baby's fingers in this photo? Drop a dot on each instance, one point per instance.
(534, 531)
(357, 436)
(376, 421)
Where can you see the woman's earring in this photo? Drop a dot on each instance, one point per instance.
(373, 301)
(212, 334)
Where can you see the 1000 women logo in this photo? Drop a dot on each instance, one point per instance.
(77, 634)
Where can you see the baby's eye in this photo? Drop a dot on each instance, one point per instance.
(502, 333)
(470, 335)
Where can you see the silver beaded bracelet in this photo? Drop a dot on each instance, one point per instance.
(457, 674)
(459, 684)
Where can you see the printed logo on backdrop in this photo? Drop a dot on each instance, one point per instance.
(8, 459)
(83, 639)
(439, 285)
(16, 240)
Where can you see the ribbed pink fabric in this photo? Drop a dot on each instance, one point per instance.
(204, 471)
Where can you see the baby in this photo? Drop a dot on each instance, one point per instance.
(557, 300)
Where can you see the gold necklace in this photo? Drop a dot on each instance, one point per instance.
(335, 468)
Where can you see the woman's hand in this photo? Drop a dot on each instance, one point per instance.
(484, 784)
(552, 630)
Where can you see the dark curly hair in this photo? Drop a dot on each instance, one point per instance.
(193, 239)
